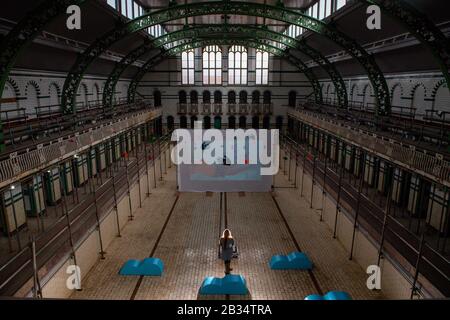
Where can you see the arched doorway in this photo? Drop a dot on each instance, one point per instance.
(266, 122)
(218, 122)
(231, 97)
(243, 97)
(207, 122)
(183, 122)
(193, 119)
(255, 122)
(217, 96)
(267, 97)
(206, 97)
(242, 122)
(232, 122)
(182, 97)
(255, 97)
(194, 97)
(170, 123)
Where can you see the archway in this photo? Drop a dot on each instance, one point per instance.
(170, 123)
(206, 122)
(266, 122)
(255, 122)
(183, 122)
(218, 122)
(232, 122)
(242, 122)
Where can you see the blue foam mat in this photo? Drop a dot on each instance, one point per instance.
(146, 267)
(230, 284)
(332, 295)
(292, 261)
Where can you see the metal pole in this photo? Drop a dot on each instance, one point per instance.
(416, 274)
(139, 180)
(313, 182)
(160, 160)
(383, 230)
(115, 205)
(154, 164)
(102, 252)
(358, 203)
(303, 170)
(324, 192)
(15, 221)
(37, 290)
(290, 156)
(146, 168)
(338, 207)
(131, 217)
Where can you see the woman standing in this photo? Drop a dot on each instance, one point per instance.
(227, 246)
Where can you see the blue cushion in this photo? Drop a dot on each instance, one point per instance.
(332, 295)
(230, 284)
(146, 267)
(293, 261)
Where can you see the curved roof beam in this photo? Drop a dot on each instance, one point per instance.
(375, 75)
(422, 28)
(253, 43)
(236, 30)
(23, 34)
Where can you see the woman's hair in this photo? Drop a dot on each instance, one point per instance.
(225, 236)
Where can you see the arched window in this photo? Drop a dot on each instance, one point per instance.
(243, 97)
(193, 119)
(267, 97)
(206, 97)
(292, 101)
(54, 93)
(207, 122)
(170, 123)
(231, 97)
(255, 97)
(182, 97)
(217, 122)
(262, 67)
(232, 122)
(217, 96)
(237, 65)
(187, 67)
(212, 65)
(194, 97)
(266, 122)
(183, 122)
(255, 122)
(242, 122)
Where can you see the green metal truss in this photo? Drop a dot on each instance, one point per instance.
(252, 43)
(224, 30)
(422, 28)
(227, 8)
(23, 34)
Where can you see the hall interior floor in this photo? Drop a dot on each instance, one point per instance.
(188, 247)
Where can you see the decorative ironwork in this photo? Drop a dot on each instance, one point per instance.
(422, 28)
(23, 34)
(228, 8)
(239, 31)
